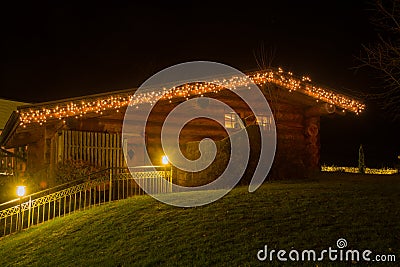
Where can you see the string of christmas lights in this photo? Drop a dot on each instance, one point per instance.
(388, 171)
(286, 80)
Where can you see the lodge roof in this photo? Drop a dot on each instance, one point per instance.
(76, 107)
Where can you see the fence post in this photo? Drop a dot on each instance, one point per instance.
(170, 179)
(20, 215)
(110, 187)
(29, 212)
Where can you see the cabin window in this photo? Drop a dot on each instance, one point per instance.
(232, 121)
(265, 122)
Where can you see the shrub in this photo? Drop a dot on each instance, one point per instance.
(70, 170)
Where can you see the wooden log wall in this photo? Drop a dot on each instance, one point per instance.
(296, 154)
(197, 129)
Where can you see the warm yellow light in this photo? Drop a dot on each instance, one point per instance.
(355, 170)
(164, 160)
(281, 78)
(21, 190)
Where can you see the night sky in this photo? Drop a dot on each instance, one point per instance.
(51, 51)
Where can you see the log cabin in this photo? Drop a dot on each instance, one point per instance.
(88, 128)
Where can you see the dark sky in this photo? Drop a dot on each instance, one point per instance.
(51, 51)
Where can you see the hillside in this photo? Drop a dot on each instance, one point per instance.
(140, 231)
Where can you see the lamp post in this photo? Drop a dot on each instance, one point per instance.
(20, 192)
(165, 162)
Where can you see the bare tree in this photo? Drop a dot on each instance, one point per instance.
(384, 55)
(264, 59)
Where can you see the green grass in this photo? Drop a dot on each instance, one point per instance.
(312, 214)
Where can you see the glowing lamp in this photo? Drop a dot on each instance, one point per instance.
(21, 190)
(164, 160)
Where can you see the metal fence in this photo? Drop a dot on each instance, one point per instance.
(100, 187)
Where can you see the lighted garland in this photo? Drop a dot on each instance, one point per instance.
(116, 102)
(387, 171)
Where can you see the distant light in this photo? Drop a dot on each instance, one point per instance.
(164, 160)
(21, 190)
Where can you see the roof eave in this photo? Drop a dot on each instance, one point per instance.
(9, 128)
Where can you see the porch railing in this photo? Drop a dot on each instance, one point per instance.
(100, 187)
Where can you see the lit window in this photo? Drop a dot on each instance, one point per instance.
(232, 121)
(265, 122)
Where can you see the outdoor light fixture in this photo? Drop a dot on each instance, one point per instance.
(164, 160)
(21, 190)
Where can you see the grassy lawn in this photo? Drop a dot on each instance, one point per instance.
(312, 214)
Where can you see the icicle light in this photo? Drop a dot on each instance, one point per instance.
(278, 77)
